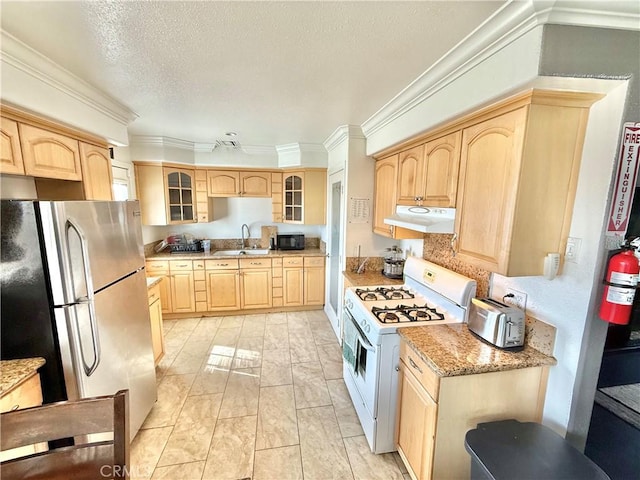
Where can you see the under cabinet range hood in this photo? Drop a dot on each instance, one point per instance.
(423, 219)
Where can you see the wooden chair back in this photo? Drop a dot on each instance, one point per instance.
(107, 459)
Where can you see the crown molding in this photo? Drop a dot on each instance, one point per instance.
(342, 134)
(24, 58)
(157, 141)
(291, 148)
(204, 147)
(510, 22)
(259, 149)
(198, 147)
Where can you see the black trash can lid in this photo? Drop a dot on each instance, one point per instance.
(510, 449)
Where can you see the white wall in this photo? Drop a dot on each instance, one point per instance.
(360, 170)
(229, 214)
(17, 187)
(236, 158)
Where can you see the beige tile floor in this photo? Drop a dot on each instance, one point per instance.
(255, 397)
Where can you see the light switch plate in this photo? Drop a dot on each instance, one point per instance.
(573, 249)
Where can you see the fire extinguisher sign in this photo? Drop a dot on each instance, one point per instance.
(625, 180)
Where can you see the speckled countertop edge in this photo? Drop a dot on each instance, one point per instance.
(14, 372)
(311, 252)
(152, 281)
(369, 278)
(452, 350)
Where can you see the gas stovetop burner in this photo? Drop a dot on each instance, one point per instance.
(416, 313)
(383, 293)
(406, 313)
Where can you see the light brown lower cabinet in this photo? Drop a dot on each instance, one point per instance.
(160, 268)
(303, 281)
(182, 286)
(293, 281)
(223, 284)
(434, 413)
(219, 285)
(255, 283)
(313, 281)
(200, 285)
(155, 315)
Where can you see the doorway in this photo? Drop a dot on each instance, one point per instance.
(333, 303)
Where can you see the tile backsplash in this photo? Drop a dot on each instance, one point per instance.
(234, 243)
(437, 249)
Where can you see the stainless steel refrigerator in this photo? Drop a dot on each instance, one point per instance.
(73, 291)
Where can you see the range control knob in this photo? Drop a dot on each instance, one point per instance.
(349, 303)
(367, 327)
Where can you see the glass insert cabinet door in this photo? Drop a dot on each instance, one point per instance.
(180, 196)
(293, 203)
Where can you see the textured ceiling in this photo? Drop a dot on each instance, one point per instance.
(275, 72)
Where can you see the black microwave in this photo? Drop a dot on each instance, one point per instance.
(291, 241)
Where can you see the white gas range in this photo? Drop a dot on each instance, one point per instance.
(430, 295)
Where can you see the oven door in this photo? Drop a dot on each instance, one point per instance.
(364, 369)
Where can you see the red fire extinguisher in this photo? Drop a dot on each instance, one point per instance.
(620, 288)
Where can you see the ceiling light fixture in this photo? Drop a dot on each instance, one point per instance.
(231, 134)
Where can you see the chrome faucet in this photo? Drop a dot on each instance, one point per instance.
(244, 225)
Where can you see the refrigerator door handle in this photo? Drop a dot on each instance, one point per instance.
(88, 300)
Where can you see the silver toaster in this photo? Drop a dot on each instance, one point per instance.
(499, 324)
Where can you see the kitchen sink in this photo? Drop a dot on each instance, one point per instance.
(246, 251)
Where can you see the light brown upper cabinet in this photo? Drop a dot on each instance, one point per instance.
(411, 176)
(97, 176)
(180, 189)
(304, 196)
(10, 152)
(229, 183)
(276, 196)
(428, 173)
(223, 183)
(204, 204)
(48, 154)
(518, 173)
(166, 195)
(441, 163)
(255, 184)
(384, 202)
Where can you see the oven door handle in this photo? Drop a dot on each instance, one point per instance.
(367, 346)
(361, 340)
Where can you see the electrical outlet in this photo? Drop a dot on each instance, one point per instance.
(519, 298)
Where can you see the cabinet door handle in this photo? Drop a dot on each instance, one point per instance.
(414, 365)
(255, 263)
(454, 239)
(151, 297)
(223, 264)
(15, 407)
(181, 266)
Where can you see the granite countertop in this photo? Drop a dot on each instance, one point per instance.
(151, 281)
(370, 278)
(452, 350)
(307, 252)
(14, 372)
